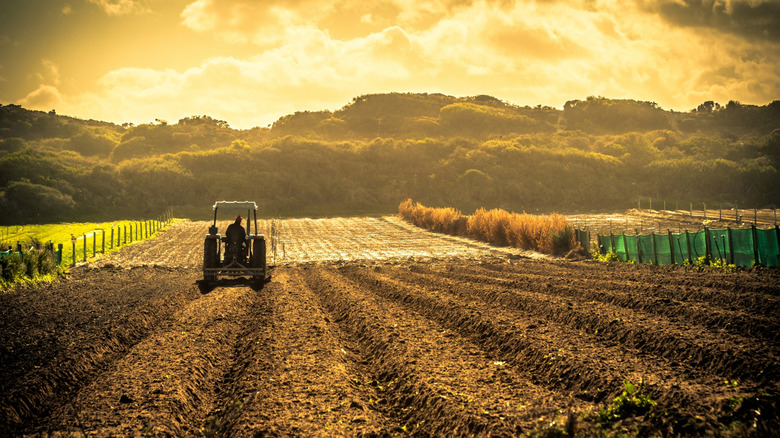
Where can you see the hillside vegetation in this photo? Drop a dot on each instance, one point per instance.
(378, 150)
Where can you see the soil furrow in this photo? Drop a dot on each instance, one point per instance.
(729, 355)
(750, 293)
(85, 334)
(166, 384)
(737, 321)
(553, 355)
(436, 381)
(297, 375)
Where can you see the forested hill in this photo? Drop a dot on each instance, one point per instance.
(366, 157)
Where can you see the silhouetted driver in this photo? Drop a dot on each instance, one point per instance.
(236, 237)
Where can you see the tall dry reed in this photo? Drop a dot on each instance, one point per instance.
(551, 234)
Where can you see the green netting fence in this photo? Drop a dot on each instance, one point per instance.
(738, 246)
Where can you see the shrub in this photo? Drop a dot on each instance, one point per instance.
(13, 267)
(30, 264)
(548, 234)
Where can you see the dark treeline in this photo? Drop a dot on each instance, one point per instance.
(595, 154)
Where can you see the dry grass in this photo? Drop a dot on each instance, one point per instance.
(443, 220)
(551, 234)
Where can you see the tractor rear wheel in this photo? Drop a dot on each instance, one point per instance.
(210, 259)
(258, 259)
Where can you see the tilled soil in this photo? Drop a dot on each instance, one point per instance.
(440, 336)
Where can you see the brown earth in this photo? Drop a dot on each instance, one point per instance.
(369, 326)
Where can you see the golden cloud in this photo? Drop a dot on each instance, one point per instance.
(526, 53)
(120, 7)
(45, 97)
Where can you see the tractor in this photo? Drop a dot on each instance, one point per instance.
(239, 254)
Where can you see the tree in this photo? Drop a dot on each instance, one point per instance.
(34, 203)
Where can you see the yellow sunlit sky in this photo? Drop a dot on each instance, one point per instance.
(248, 62)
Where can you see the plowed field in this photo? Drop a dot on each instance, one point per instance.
(369, 326)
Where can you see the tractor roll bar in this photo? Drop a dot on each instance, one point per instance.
(250, 206)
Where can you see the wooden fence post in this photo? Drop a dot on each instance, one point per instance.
(655, 249)
(688, 242)
(94, 243)
(625, 247)
(671, 246)
(756, 261)
(639, 254)
(85, 247)
(731, 245)
(707, 245)
(777, 236)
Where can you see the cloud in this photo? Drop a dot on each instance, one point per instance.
(120, 7)
(755, 19)
(45, 97)
(313, 74)
(264, 23)
(51, 73)
(543, 52)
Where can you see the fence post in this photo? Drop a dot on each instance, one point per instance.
(124, 229)
(688, 242)
(704, 209)
(625, 247)
(736, 212)
(691, 209)
(731, 245)
(720, 213)
(103, 241)
(639, 254)
(612, 241)
(707, 245)
(671, 246)
(85, 247)
(777, 236)
(755, 216)
(655, 250)
(94, 243)
(59, 254)
(73, 245)
(756, 261)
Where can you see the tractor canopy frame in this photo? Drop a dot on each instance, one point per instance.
(249, 206)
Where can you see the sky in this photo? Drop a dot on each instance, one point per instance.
(249, 62)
